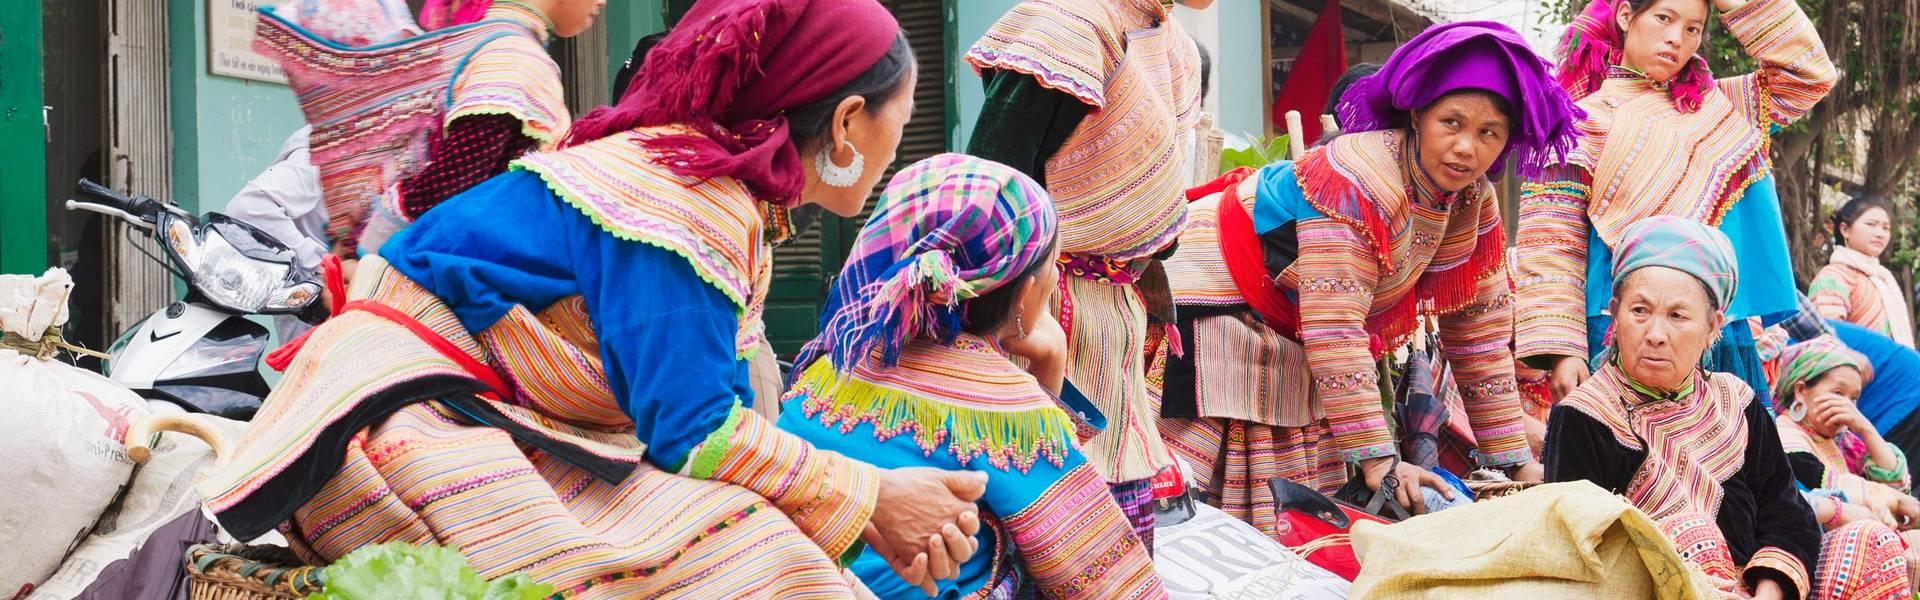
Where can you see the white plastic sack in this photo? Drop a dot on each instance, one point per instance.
(1214, 555)
(31, 305)
(64, 461)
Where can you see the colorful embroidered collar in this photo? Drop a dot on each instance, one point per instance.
(968, 397)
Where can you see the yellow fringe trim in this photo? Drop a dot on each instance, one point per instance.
(1007, 438)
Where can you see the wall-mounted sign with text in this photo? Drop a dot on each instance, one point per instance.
(230, 43)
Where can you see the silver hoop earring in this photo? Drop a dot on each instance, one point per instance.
(836, 175)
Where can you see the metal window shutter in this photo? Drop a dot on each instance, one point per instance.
(139, 141)
(803, 269)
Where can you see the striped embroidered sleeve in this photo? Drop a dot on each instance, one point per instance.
(1795, 72)
(1552, 246)
(829, 496)
(1772, 558)
(1830, 294)
(1475, 339)
(1337, 273)
(1075, 542)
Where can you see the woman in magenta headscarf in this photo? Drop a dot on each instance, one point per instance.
(550, 371)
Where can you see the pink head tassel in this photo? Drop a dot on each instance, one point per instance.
(1689, 88)
(1589, 48)
(441, 14)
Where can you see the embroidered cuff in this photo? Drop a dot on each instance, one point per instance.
(1895, 476)
(1781, 562)
(1554, 346)
(1507, 458)
(829, 496)
(706, 457)
(1369, 451)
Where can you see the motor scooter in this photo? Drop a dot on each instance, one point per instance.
(201, 353)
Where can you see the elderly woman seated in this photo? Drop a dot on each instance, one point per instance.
(1693, 449)
(1817, 391)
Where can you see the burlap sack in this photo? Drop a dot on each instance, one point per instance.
(1564, 540)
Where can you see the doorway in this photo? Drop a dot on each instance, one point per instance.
(75, 95)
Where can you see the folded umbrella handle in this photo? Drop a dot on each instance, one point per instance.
(140, 436)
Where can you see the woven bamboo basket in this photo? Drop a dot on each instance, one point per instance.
(240, 572)
(1487, 485)
(1495, 489)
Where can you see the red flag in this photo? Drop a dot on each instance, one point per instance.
(1322, 59)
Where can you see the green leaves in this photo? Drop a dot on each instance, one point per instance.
(1256, 154)
(399, 570)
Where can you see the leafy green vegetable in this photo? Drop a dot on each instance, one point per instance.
(399, 570)
(1255, 155)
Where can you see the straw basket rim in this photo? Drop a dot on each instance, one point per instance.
(242, 572)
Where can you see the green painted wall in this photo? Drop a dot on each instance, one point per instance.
(23, 187)
(1236, 58)
(970, 22)
(225, 130)
(627, 22)
(1238, 74)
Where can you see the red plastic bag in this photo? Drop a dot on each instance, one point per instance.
(1316, 527)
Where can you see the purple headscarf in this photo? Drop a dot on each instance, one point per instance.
(1470, 55)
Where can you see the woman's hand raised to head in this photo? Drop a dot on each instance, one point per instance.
(924, 521)
(1045, 348)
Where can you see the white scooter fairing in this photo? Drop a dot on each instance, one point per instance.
(142, 356)
(196, 357)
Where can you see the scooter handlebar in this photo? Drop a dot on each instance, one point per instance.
(138, 210)
(110, 211)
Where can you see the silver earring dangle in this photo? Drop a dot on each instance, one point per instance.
(1019, 325)
(836, 175)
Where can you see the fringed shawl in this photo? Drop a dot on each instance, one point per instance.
(1361, 180)
(715, 223)
(968, 397)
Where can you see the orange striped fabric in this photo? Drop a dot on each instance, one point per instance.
(422, 477)
(763, 524)
(1856, 288)
(1105, 359)
(514, 76)
(1120, 570)
(1246, 371)
(1118, 179)
(1234, 459)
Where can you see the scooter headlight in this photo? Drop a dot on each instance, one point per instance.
(292, 298)
(234, 281)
